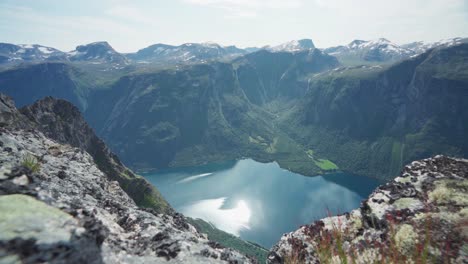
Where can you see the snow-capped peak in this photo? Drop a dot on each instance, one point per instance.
(293, 46)
(422, 46)
(29, 52)
(380, 50)
(98, 52)
(210, 44)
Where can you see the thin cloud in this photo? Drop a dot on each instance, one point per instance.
(130, 13)
(249, 4)
(246, 8)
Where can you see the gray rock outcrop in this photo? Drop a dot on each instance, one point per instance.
(58, 206)
(419, 217)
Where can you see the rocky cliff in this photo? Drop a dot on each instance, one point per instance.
(61, 204)
(61, 121)
(419, 217)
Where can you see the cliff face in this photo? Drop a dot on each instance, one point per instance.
(420, 216)
(59, 206)
(61, 121)
(372, 121)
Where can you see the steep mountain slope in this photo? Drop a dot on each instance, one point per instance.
(181, 117)
(61, 121)
(206, 112)
(75, 82)
(372, 120)
(419, 217)
(59, 207)
(265, 76)
(29, 83)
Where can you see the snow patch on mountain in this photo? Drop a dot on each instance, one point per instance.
(293, 46)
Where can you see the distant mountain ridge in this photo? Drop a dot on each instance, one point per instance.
(188, 53)
(422, 46)
(96, 52)
(16, 53)
(356, 52)
(375, 50)
(293, 46)
(384, 51)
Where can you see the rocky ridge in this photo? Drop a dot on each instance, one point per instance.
(97, 52)
(379, 50)
(61, 121)
(420, 216)
(292, 46)
(186, 53)
(58, 206)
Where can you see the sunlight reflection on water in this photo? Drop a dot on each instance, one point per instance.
(231, 220)
(258, 201)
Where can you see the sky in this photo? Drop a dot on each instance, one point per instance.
(131, 25)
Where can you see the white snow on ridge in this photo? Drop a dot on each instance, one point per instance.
(26, 46)
(45, 50)
(210, 44)
(422, 46)
(292, 46)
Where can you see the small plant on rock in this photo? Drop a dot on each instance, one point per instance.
(31, 162)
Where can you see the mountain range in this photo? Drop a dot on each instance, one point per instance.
(356, 52)
(294, 104)
(384, 51)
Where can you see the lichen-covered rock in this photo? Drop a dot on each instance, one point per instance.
(419, 217)
(58, 206)
(27, 218)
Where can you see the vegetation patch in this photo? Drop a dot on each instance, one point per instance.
(230, 241)
(406, 238)
(163, 131)
(31, 162)
(407, 202)
(450, 192)
(325, 164)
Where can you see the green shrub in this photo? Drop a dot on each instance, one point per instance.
(31, 162)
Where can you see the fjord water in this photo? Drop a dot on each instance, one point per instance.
(258, 201)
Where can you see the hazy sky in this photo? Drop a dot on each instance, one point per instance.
(131, 25)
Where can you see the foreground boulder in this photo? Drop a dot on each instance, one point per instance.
(58, 206)
(420, 217)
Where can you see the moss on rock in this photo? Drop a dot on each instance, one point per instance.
(25, 217)
(450, 192)
(406, 239)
